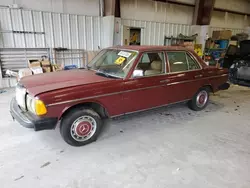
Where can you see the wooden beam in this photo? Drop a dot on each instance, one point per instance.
(118, 9)
(203, 10)
(109, 7)
(112, 8)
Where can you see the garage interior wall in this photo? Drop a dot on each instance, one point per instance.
(230, 20)
(153, 33)
(147, 10)
(48, 30)
(82, 7)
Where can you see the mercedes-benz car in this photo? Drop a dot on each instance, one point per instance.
(118, 81)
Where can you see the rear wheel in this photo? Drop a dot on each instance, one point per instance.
(80, 127)
(200, 99)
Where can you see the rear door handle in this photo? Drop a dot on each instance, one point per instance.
(198, 76)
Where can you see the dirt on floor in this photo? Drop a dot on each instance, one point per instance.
(168, 147)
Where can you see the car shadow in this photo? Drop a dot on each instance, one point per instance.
(164, 117)
(172, 115)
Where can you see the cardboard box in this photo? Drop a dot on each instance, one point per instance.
(57, 67)
(37, 70)
(23, 73)
(46, 65)
(233, 43)
(222, 35)
(34, 63)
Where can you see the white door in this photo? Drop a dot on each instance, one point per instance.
(125, 35)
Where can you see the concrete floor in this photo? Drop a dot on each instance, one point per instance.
(169, 147)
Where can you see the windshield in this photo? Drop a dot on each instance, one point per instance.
(113, 62)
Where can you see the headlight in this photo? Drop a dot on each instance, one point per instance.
(20, 96)
(30, 103)
(36, 106)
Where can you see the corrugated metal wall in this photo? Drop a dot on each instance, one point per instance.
(153, 33)
(15, 59)
(48, 30)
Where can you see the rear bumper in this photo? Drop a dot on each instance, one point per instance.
(29, 120)
(224, 86)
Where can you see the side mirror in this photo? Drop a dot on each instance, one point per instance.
(137, 73)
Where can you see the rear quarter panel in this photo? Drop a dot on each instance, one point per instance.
(216, 77)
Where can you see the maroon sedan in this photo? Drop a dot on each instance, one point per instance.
(118, 81)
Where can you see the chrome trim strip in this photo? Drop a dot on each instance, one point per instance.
(104, 95)
(136, 78)
(151, 108)
(181, 82)
(116, 93)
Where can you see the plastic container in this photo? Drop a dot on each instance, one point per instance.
(69, 67)
(223, 44)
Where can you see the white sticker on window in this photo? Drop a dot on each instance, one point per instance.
(124, 54)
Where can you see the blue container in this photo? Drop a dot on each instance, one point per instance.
(223, 44)
(69, 67)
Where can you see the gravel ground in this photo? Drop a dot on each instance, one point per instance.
(168, 147)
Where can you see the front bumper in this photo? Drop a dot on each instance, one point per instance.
(29, 120)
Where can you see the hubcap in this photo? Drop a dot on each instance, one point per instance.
(83, 128)
(201, 99)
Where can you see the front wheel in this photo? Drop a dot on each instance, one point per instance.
(200, 100)
(80, 127)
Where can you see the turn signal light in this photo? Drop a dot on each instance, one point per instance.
(40, 107)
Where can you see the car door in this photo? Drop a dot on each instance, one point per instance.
(185, 76)
(146, 91)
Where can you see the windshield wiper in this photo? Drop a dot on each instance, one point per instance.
(105, 74)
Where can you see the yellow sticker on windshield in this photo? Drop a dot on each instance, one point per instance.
(120, 60)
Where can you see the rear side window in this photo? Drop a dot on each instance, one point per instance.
(192, 64)
(177, 61)
(181, 61)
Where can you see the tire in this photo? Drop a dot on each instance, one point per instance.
(200, 100)
(80, 127)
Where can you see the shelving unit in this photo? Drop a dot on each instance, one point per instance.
(215, 53)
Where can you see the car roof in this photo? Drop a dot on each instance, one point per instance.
(150, 48)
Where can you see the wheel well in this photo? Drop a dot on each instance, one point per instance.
(93, 105)
(209, 87)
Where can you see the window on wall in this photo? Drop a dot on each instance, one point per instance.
(181, 61)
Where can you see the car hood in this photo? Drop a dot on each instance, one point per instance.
(40, 83)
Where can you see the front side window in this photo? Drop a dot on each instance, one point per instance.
(181, 61)
(145, 58)
(113, 62)
(151, 64)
